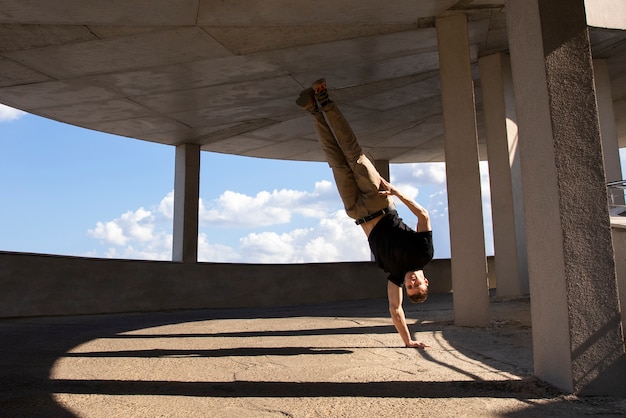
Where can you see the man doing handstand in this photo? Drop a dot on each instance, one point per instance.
(367, 198)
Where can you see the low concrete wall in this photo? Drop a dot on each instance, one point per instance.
(42, 285)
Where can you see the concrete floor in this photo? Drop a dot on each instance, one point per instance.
(333, 360)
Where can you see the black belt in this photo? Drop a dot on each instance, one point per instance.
(372, 216)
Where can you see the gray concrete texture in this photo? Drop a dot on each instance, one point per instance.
(224, 75)
(325, 360)
(570, 255)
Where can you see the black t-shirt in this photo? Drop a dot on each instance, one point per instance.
(398, 248)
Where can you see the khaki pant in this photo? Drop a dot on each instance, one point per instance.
(356, 177)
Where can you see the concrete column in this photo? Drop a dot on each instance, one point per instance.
(608, 130)
(507, 209)
(467, 243)
(186, 195)
(619, 244)
(577, 338)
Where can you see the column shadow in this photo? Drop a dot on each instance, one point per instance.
(30, 347)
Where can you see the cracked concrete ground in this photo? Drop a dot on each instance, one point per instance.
(334, 360)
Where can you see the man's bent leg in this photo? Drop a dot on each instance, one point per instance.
(365, 174)
(358, 191)
(343, 132)
(344, 178)
(333, 153)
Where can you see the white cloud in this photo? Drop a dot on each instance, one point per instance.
(135, 234)
(335, 238)
(264, 209)
(438, 206)
(232, 209)
(331, 237)
(422, 174)
(166, 206)
(8, 113)
(217, 253)
(269, 247)
(141, 234)
(411, 178)
(109, 232)
(144, 254)
(156, 251)
(135, 226)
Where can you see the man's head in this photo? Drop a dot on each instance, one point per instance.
(416, 286)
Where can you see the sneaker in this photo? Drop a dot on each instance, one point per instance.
(306, 100)
(321, 93)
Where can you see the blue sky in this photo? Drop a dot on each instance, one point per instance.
(72, 191)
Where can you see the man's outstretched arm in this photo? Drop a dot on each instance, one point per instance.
(423, 218)
(394, 295)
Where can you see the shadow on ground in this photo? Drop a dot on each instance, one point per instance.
(30, 347)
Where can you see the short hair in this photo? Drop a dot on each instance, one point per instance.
(419, 297)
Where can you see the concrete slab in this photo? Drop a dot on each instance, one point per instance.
(201, 64)
(339, 360)
(275, 12)
(114, 12)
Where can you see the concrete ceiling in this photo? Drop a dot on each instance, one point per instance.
(225, 74)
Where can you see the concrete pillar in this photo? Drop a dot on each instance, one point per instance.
(577, 337)
(186, 195)
(608, 130)
(509, 234)
(618, 230)
(467, 244)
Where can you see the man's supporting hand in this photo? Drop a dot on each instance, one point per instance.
(394, 295)
(416, 344)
